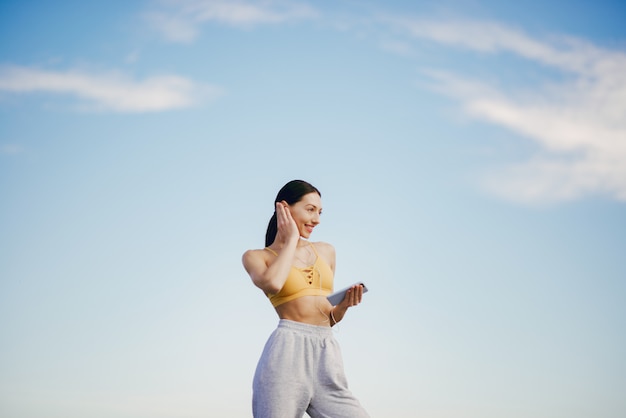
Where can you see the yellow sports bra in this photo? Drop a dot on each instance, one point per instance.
(315, 280)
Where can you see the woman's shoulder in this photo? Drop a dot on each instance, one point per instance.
(324, 245)
(325, 248)
(254, 254)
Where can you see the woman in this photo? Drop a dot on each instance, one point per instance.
(301, 369)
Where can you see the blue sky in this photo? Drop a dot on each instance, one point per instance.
(472, 161)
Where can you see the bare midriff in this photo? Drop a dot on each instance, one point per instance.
(312, 310)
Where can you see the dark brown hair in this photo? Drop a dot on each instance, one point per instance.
(291, 193)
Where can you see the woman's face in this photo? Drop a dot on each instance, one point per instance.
(307, 213)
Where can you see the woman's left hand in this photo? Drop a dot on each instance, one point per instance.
(353, 297)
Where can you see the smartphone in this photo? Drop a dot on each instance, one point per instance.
(338, 296)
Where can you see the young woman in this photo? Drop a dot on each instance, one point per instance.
(301, 369)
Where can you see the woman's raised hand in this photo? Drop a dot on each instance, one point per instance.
(287, 228)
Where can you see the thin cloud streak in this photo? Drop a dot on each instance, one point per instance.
(578, 124)
(566, 53)
(108, 92)
(181, 20)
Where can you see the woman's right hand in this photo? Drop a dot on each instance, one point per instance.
(287, 228)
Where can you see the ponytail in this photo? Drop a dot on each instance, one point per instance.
(272, 230)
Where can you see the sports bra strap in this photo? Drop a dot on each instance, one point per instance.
(276, 254)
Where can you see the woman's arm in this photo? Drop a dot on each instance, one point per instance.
(271, 278)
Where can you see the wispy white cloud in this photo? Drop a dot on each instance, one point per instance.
(179, 20)
(108, 91)
(566, 53)
(180, 29)
(578, 123)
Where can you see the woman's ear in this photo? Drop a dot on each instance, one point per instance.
(287, 207)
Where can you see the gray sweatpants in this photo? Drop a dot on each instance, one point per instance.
(301, 370)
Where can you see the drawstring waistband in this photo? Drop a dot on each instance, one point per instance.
(312, 330)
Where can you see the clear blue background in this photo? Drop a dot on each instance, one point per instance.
(472, 161)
